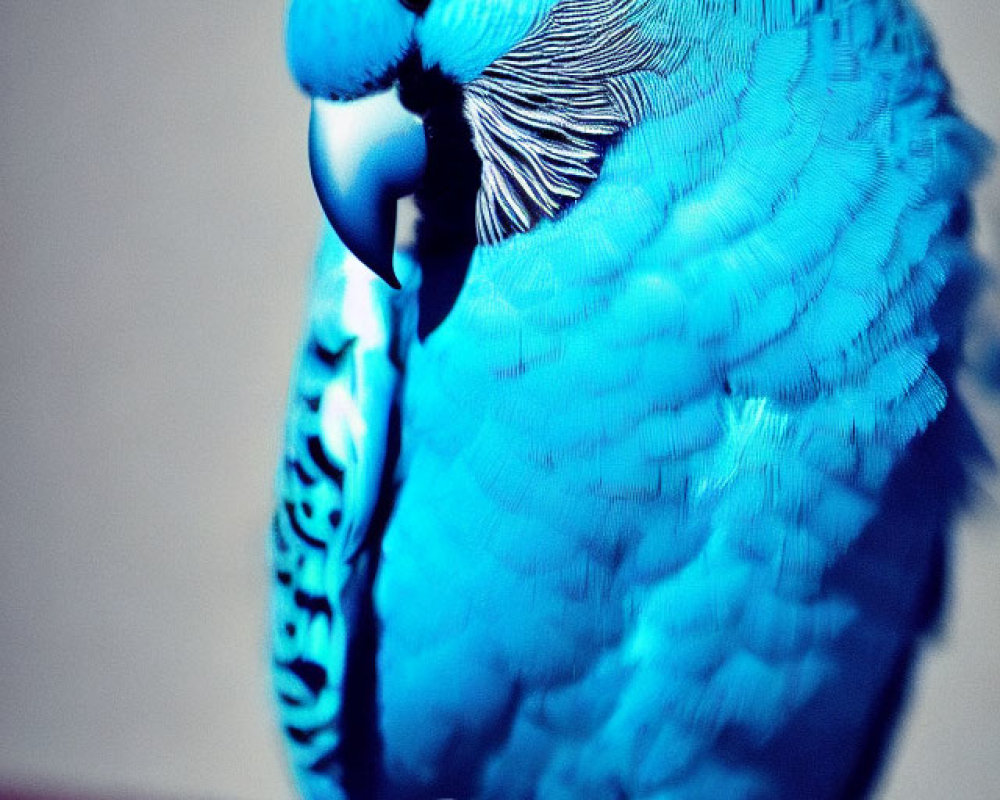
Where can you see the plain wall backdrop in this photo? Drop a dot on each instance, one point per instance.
(156, 228)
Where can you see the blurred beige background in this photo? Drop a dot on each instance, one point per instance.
(156, 225)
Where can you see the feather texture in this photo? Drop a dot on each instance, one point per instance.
(674, 472)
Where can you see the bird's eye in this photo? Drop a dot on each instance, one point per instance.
(416, 6)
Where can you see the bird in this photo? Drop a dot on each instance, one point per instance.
(632, 475)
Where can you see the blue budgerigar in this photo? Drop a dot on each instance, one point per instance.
(631, 476)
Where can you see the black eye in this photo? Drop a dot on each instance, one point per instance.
(417, 6)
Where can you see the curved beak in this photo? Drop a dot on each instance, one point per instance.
(364, 155)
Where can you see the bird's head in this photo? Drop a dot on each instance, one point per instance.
(344, 49)
(543, 88)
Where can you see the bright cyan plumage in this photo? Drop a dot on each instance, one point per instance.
(640, 486)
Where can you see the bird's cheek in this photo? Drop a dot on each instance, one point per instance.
(463, 37)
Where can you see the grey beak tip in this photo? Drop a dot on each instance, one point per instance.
(382, 266)
(365, 155)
